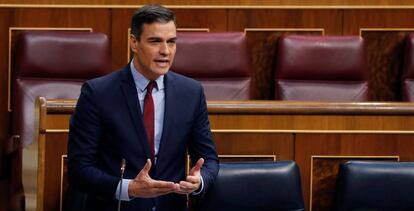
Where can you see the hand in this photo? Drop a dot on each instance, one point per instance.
(144, 186)
(193, 180)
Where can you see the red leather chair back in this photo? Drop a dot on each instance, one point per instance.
(321, 68)
(220, 61)
(408, 71)
(53, 65)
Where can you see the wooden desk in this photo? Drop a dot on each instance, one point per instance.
(317, 135)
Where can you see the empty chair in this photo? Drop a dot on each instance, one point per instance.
(255, 186)
(408, 71)
(220, 61)
(321, 68)
(375, 186)
(53, 65)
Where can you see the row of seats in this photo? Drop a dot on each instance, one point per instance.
(55, 64)
(260, 186)
(307, 67)
(311, 68)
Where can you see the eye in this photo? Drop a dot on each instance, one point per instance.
(154, 40)
(172, 40)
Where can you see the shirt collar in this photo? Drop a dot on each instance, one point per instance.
(141, 82)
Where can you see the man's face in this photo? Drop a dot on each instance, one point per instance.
(155, 51)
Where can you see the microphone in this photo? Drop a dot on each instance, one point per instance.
(120, 183)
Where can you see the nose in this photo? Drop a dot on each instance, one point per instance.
(164, 50)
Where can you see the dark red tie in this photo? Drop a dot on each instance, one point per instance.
(149, 116)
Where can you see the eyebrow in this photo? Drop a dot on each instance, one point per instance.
(172, 39)
(154, 38)
(159, 39)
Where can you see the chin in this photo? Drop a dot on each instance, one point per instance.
(163, 71)
(158, 73)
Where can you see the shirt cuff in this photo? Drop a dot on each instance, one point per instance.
(124, 191)
(200, 189)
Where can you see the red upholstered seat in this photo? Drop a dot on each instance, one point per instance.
(408, 71)
(321, 68)
(53, 65)
(220, 61)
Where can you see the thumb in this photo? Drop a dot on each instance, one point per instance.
(197, 166)
(147, 167)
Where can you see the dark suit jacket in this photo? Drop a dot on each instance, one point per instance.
(107, 126)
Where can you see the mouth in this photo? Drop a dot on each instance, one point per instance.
(162, 62)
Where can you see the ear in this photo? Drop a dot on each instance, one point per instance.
(133, 42)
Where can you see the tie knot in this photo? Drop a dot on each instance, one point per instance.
(150, 86)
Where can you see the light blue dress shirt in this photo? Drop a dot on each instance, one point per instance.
(158, 96)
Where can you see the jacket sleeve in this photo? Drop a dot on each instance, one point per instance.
(202, 145)
(85, 131)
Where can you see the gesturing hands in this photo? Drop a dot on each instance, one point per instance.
(144, 186)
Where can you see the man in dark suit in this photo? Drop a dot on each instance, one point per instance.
(148, 116)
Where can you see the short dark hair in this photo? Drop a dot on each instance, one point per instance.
(149, 14)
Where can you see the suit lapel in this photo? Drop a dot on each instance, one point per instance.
(168, 113)
(131, 98)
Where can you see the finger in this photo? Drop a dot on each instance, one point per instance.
(197, 166)
(147, 167)
(193, 179)
(164, 190)
(162, 184)
(188, 186)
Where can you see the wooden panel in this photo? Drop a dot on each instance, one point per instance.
(98, 19)
(354, 20)
(213, 19)
(345, 3)
(385, 49)
(121, 21)
(52, 147)
(5, 17)
(57, 122)
(329, 20)
(280, 145)
(308, 145)
(313, 122)
(245, 158)
(64, 180)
